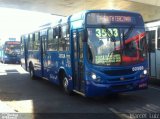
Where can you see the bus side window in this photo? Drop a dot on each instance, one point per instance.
(64, 40)
(54, 32)
(55, 44)
(55, 39)
(50, 40)
(158, 39)
(57, 32)
(22, 45)
(27, 41)
(36, 44)
(33, 41)
(62, 44)
(67, 41)
(30, 42)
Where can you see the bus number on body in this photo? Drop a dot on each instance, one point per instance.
(138, 68)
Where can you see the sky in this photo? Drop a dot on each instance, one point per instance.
(14, 23)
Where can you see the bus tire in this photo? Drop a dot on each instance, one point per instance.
(31, 73)
(65, 85)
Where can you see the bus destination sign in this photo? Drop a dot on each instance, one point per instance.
(117, 19)
(12, 42)
(99, 18)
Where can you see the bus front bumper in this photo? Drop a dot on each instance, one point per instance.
(93, 89)
(12, 61)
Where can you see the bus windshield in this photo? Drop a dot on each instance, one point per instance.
(116, 46)
(12, 50)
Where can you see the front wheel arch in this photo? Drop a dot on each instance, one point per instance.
(64, 81)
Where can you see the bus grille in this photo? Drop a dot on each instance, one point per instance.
(118, 79)
(122, 87)
(119, 72)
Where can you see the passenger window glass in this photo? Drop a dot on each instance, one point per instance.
(51, 45)
(64, 40)
(36, 44)
(31, 42)
(22, 45)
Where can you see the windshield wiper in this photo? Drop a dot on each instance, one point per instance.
(126, 35)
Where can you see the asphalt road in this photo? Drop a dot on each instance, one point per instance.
(40, 99)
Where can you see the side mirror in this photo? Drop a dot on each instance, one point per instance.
(54, 33)
(59, 32)
(33, 37)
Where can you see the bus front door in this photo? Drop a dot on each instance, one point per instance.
(78, 66)
(44, 61)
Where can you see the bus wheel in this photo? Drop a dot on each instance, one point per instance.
(31, 72)
(65, 86)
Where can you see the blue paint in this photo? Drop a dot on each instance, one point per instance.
(72, 56)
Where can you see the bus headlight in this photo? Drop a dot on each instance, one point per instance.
(93, 75)
(145, 72)
(6, 57)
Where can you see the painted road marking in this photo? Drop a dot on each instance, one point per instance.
(119, 114)
(154, 88)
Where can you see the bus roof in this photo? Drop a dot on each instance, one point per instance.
(81, 15)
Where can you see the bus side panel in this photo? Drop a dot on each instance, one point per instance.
(52, 66)
(57, 61)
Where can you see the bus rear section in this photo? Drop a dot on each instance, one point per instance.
(92, 53)
(11, 52)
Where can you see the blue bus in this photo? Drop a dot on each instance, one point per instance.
(92, 53)
(10, 52)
